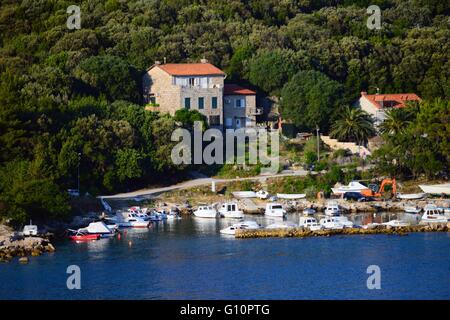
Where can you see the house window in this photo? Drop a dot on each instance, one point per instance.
(239, 103)
(228, 122)
(201, 103)
(214, 120)
(187, 103)
(214, 102)
(191, 82)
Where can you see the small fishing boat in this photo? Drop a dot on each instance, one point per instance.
(231, 210)
(274, 210)
(436, 188)
(174, 214)
(281, 225)
(332, 209)
(433, 214)
(309, 223)
(262, 194)
(330, 223)
(308, 211)
(129, 220)
(412, 209)
(244, 194)
(205, 212)
(30, 230)
(344, 221)
(80, 236)
(353, 186)
(411, 196)
(396, 223)
(291, 196)
(99, 228)
(244, 225)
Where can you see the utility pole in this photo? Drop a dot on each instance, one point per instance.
(78, 173)
(318, 143)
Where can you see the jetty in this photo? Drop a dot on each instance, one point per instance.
(303, 233)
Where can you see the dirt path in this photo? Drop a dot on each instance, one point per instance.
(196, 183)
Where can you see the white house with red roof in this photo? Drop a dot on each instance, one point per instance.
(199, 86)
(378, 104)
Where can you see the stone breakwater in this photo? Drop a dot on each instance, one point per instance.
(303, 233)
(23, 248)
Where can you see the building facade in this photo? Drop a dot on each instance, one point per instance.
(377, 104)
(239, 107)
(199, 86)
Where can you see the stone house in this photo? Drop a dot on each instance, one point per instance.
(199, 86)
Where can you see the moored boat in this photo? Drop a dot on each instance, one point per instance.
(332, 209)
(129, 220)
(205, 212)
(308, 211)
(330, 223)
(244, 225)
(412, 209)
(436, 188)
(30, 230)
(396, 223)
(411, 196)
(80, 236)
(244, 194)
(353, 186)
(231, 210)
(309, 223)
(291, 196)
(433, 214)
(99, 228)
(274, 210)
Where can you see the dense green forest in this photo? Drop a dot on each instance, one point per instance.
(70, 97)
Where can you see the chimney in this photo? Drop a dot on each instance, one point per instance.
(204, 60)
(157, 62)
(363, 93)
(165, 60)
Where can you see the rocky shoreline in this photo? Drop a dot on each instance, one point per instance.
(12, 246)
(303, 233)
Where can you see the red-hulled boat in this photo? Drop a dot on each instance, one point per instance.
(83, 236)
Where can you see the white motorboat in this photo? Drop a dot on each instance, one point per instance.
(411, 196)
(291, 196)
(353, 186)
(244, 225)
(274, 210)
(330, 223)
(309, 223)
(231, 210)
(262, 194)
(205, 212)
(174, 214)
(344, 221)
(332, 209)
(436, 188)
(412, 209)
(371, 225)
(396, 223)
(309, 211)
(130, 220)
(281, 225)
(141, 213)
(30, 230)
(433, 214)
(244, 194)
(100, 228)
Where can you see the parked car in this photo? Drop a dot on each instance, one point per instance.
(356, 196)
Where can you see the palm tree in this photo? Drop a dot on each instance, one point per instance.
(396, 121)
(353, 125)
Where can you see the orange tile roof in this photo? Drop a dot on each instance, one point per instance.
(234, 89)
(398, 100)
(190, 69)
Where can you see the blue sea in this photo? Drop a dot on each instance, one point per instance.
(189, 259)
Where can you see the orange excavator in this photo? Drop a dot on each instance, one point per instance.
(374, 191)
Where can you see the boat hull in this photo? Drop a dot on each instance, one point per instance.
(291, 196)
(436, 189)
